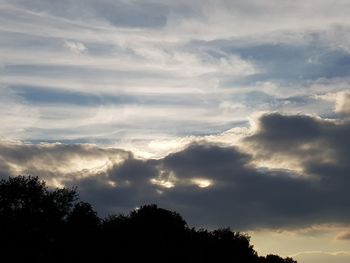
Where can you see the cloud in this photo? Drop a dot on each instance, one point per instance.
(17, 115)
(55, 162)
(117, 13)
(153, 76)
(161, 13)
(341, 100)
(245, 186)
(248, 196)
(343, 103)
(322, 257)
(310, 142)
(343, 236)
(243, 195)
(156, 56)
(76, 47)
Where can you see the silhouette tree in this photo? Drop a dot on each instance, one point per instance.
(83, 216)
(31, 216)
(81, 233)
(276, 259)
(42, 225)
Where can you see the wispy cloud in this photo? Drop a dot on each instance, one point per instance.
(179, 55)
(323, 257)
(76, 47)
(343, 236)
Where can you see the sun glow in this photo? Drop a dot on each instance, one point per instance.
(202, 183)
(162, 183)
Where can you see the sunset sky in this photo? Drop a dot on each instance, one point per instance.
(232, 113)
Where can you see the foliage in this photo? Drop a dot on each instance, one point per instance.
(42, 225)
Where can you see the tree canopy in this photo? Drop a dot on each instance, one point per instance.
(42, 225)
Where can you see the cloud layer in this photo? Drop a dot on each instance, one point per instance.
(248, 186)
(127, 73)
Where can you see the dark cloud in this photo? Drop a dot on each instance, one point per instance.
(246, 197)
(26, 153)
(241, 195)
(321, 147)
(313, 141)
(233, 191)
(53, 161)
(120, 188)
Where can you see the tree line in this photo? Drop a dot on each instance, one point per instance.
(38, 224)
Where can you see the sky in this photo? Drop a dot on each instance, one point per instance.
(232, 113)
